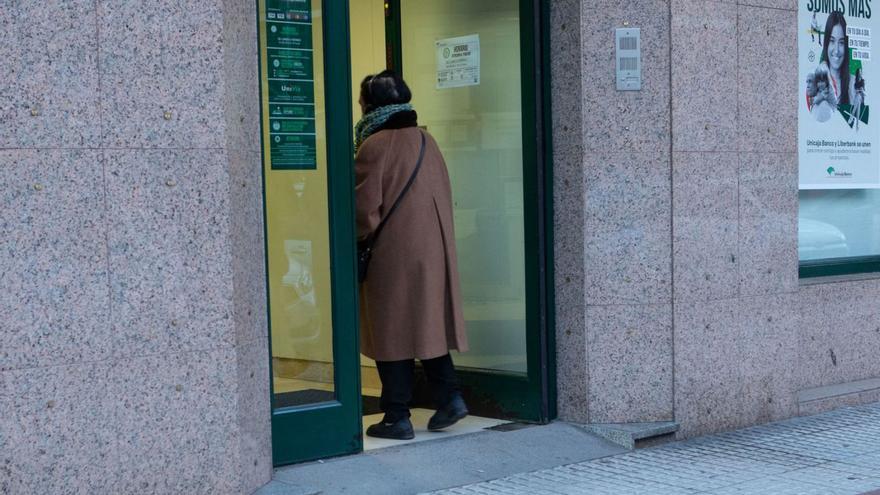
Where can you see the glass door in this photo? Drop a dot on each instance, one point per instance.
(471, 67)
(308, 186)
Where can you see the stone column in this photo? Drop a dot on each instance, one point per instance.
(133, 350)
(613, 208)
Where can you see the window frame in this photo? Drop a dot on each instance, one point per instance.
(830, 267)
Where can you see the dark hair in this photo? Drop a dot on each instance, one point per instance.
(384, 88)
(834, 19)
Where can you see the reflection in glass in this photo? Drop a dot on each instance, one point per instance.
(837, 223)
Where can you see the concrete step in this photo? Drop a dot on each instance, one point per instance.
(635, 435)
(823, 399)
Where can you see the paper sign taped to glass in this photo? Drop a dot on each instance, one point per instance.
(837, 138)
(458, 61)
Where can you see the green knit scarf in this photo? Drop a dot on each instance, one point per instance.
(373, 120)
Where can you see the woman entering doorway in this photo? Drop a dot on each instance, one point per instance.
(410, 300)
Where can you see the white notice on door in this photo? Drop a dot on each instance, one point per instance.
(458, 62)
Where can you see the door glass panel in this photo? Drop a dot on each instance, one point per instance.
(368, 56)
(297, 215)
(462, 61)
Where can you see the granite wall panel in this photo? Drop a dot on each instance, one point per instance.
(704, 76)
(705, 226)
(767, 88)
(170, 265)
(630, 120)
(839, 333)
(771, 4)
(769, 347)
(57, 429)
(241, 76)
(254, 420)
(768, 212)
(627, 228)
(176, 423)
(630, 363)
(49, 74)
(54, 300)
(612, 197)
(248, 251)
(708, 377)
(162, 74)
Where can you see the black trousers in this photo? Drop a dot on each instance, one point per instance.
(397, 384)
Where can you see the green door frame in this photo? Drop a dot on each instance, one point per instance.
(331, 428)
(531, 397)
(334, 428)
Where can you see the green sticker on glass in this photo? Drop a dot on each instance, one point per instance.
(293, 151)
(289, 10)
(290, 64)
(290, 72)
(298, 126)
(292, 111)
(291, 92)
(281, 35)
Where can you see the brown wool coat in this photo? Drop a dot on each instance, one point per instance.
(410, 304)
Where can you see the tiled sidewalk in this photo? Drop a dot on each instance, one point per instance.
(836, 453)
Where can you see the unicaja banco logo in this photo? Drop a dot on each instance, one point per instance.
(833, 173)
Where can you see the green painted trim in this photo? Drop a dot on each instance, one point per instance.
(839, 266)
(549, 246)
(532, 406)
(331, 428)
(343, 233)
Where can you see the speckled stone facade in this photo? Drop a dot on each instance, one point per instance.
(687, 305)
(133, 346)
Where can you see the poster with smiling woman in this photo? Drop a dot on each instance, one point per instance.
(836, 138)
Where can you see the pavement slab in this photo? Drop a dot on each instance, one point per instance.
(833, 453)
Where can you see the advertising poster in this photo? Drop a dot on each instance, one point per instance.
(837, 138)
(458, 62)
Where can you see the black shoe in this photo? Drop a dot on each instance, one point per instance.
(448, 415)
(399, 430)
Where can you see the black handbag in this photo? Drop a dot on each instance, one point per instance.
(365, 247)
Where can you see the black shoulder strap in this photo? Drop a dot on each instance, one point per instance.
(412, 178)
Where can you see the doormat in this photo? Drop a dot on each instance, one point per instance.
(303, 397)
(370, 403)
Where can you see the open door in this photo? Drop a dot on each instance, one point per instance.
(309, 212)
(473, 70)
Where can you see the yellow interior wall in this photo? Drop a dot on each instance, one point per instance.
(367, 19)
